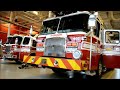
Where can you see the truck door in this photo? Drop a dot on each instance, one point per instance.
(33, 47)
(111, 48)
(97, 47)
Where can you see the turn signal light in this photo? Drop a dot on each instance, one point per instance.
(73, 44)
(108, 49)
(40, 44)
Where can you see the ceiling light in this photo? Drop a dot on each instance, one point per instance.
(35, 12)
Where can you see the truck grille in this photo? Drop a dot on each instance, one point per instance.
(7, 49)
(55, 47)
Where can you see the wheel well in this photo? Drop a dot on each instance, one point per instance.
(32, 54)
(101, 58)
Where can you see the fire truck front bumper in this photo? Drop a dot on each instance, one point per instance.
(9, 56)
(69, 64)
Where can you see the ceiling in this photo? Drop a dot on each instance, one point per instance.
(25, 19)
(111, 19)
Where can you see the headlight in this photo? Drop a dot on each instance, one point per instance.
(22, 50)
(40, 49)
(117, 49)
(77, 54)
(108, 49)
(25, 50)
(16, 49)
(11, 51)
(71, 49)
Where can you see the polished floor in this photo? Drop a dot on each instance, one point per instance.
(10, 70)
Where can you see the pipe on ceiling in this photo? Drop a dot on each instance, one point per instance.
(25, 14)
(112, 16)
(3, 19)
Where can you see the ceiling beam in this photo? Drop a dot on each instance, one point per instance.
(3, 19)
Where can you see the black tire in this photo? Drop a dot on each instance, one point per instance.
(99, 70)
(18, 61)
(32, 54)
(58, 70)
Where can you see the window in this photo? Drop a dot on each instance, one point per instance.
(50, 26)
(19, 40)
(112, 37)
(26, 40)
(9, 40)
(74, 23)
(97, 30)
(14, 38)
(34, 43)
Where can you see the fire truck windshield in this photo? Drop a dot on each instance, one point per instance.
(112, 37)
(9, 40)
(26, 40)
(50, 26)
(14, 38)
(74, 23)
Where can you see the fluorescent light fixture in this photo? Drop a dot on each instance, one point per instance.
(35, 12)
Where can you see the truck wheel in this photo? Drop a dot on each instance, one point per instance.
(4, 57)
(18, 61)
(99, 70)
(32, 54)
(58, 70)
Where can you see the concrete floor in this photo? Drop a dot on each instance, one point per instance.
(10, 70)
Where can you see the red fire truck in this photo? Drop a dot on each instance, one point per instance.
(28, 46)
(5, 46)
(111, 48)
(70, 43)
(11, 50)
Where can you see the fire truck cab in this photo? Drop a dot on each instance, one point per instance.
(12, 47)
(28, 46)
(111, 48)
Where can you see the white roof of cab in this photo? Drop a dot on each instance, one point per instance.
(72, 14)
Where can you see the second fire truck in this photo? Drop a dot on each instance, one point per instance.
(18, 45)
(28, 46)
